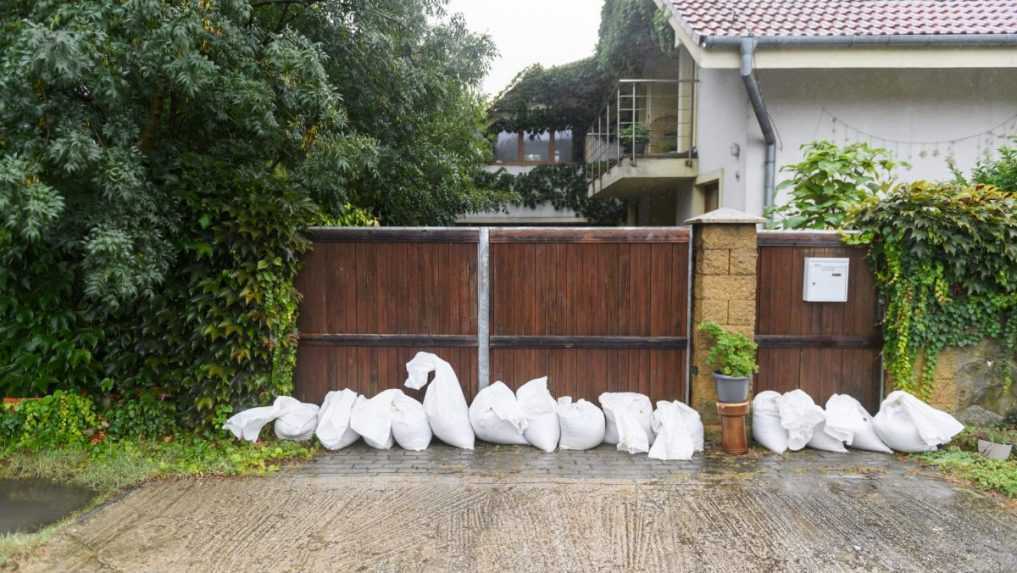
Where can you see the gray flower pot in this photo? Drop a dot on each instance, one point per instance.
(994, 451)
(731, 390)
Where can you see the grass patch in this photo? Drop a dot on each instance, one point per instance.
(962, 460)
(111, 466)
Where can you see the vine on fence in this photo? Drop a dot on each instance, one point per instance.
(945, 257)
(563, 186)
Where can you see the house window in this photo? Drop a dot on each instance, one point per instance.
(534, 148)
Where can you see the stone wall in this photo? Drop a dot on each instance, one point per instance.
(970, 382)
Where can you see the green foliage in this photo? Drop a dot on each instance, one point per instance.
(732, 353)
(634, 34)
(159, 159)
(409, 76)
(829, 181)
(968, 439)
(567, 97)
(945, 259)
(111, 465)
(999, 172)
(61, 419)
(992, 475)
(147, 416)
(563, 186)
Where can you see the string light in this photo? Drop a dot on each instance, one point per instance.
(928, 148)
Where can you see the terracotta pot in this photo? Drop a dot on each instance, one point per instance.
(734, 433)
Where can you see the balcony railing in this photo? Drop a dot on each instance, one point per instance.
(643, 119)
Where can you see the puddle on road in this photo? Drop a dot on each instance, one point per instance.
(28, 505)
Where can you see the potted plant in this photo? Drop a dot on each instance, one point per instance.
(733, 359)
(637, 135)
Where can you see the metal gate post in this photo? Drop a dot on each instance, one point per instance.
(483, 309)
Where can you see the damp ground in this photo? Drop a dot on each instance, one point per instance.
(517, 509)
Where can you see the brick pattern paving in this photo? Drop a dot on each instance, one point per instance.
(603, 463)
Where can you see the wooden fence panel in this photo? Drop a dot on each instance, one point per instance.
(822, 348)
(372, 298)
(594, 310)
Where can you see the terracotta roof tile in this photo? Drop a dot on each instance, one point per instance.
(847, 17)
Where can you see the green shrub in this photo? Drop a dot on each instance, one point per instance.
(999, 172)
(829, 181)
(945, 259)
(992, 475)
(60, 420)
(732, 353)
(148, 416)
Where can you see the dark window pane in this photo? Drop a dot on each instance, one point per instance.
(507, 147)
(536, 146)
(563, 146)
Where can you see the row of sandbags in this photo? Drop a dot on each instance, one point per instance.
(793, 421)
(529, 416)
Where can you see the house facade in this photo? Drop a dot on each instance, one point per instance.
(752, 81)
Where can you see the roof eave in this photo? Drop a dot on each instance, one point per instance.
(914, 40)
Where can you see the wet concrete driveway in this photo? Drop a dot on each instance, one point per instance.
(516, 509)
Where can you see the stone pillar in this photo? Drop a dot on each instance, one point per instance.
(723, 290)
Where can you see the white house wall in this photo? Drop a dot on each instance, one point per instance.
(722, 133)
(883, 107)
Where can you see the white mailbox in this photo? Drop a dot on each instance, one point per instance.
(826, 280)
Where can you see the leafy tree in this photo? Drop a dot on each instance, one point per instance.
(159, 159)
(100, 102)
(829, 181)
(409, 75)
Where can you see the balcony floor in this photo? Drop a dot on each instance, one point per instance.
(645, 175)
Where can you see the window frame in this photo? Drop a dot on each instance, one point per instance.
(552, 148)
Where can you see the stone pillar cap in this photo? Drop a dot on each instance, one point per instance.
(726, 216)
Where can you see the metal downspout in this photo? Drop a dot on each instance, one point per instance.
(748, 49)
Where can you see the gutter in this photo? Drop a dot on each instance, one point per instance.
(916, 40)
(747, 72)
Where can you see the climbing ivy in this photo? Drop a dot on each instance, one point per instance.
(945, 258)
(563, 186)
(632, 34)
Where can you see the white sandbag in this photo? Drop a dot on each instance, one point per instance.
(800, 416)
(629, 421)
(410, 428)
(679, 432)
(766, 427)
(444, 403)
(822, 441)
(582, 424)
(247, 425)
(372, 419)
(297, 420)
(906, 424)
(542, 427)
(334, 429)
(847, 420)
(496, 416)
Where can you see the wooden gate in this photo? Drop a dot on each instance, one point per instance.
(372, 298)
(593, 309)
(596, 310)
(822, 348)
